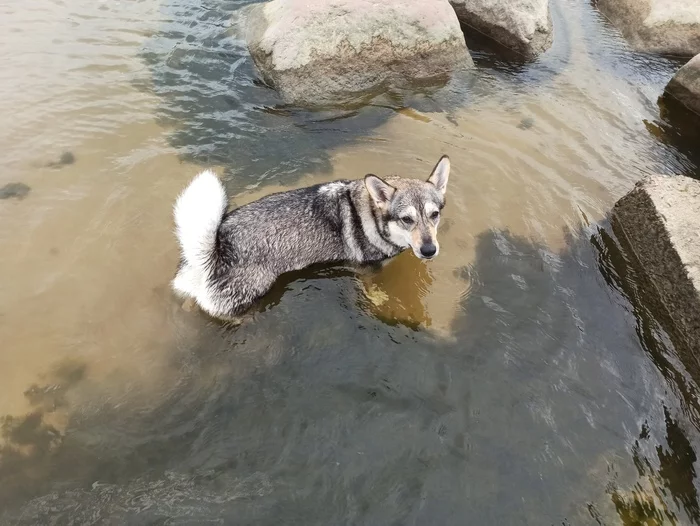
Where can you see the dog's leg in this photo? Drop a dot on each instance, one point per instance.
(187, 281)
(370, 268)
(189, 305)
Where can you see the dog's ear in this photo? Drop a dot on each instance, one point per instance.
(379, 190)
(440, 174)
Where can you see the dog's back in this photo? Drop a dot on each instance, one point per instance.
(229, 268)
(283, 231)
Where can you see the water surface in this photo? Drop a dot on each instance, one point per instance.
(517, 379)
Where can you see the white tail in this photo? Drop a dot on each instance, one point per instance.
(198, 213)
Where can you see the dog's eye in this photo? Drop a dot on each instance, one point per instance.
(407, 219)
(434, 215)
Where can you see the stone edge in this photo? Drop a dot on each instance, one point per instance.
(677, 89)
(642, 229)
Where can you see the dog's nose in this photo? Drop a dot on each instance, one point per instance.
(428, 250)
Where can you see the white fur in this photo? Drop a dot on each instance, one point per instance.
(188, 281)
(198, 213)
(400, 236)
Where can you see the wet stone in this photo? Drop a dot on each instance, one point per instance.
(65, 159)
(526, 123)
(658, 220)
(321, 54)
(524, 26)
(14, 190)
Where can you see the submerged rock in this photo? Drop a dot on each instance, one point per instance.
(685, 85)
(327, 52)
(526, 123)
(14, 190)
(658, 220)
(525, 26)
(65, 159)
(659, 26)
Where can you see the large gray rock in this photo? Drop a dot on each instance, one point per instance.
(658, 26)
(524, 26)
(659, 221)
(685, 85)
(323, 52)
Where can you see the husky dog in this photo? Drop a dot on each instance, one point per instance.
(231, 258)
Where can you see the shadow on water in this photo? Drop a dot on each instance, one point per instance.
(623, 274)
(673, 477)
(316, 401)
(679, 128)
(673, 481)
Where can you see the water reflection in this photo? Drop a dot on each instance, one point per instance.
(221, 114)
(551, 395)
(397, 294)
(679, 128)
(651, 322)
(666, 492)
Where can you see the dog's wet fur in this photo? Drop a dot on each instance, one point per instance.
(231, 258)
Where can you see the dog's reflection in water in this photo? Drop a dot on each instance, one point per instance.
(393, 292)
(396, 293)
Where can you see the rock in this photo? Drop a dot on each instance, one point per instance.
(658, 220)
(525, 26)
(526, 123)
(327, 52)
(658, 26)
(685, 85)
(14, 190)
(65, 159)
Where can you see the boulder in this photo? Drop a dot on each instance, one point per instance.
(327, 52)
(525, 26)
(685, 85)
(658, 221)
(658, 26)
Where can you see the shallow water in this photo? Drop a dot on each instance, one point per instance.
(517, 379)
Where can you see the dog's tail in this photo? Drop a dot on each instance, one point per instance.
(198, 213)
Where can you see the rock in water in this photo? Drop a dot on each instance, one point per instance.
(328, 52)
(525, 26)
(685, 85)
(658, 26)
(65, 159)
(14, 191)
(658, 220)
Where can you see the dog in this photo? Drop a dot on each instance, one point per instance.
(231, 258)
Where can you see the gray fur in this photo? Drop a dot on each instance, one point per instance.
(357, 222)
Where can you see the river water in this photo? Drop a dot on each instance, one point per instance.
(517, 379)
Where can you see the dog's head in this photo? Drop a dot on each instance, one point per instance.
(411, 209)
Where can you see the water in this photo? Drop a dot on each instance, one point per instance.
(517, 379)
